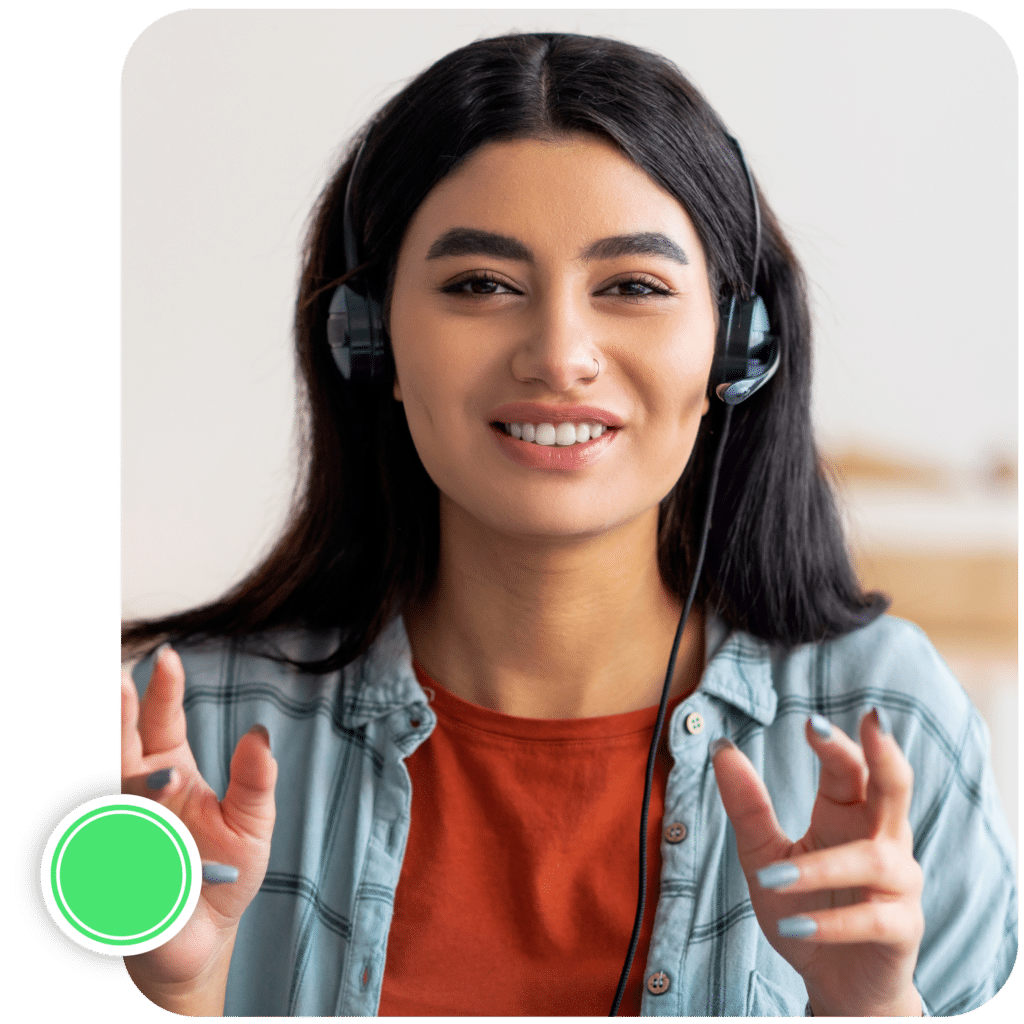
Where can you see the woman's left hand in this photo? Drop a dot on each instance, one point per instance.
(848, 894)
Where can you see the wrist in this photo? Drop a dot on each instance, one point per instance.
(198, 996)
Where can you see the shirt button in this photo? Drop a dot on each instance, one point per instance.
(694, 723)
(657, 984)
(676, 832)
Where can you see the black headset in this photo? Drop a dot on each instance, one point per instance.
(355, 324)
(746, 355)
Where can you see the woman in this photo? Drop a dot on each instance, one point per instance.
(457, 649)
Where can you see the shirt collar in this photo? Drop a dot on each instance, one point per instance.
(382, 680)
(739, 671)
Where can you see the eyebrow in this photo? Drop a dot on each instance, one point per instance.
(644, 243)
(473, 242)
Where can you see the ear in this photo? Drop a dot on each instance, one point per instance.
(397, 389)
(704, 411)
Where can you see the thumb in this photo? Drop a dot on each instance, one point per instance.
(248, 804)
(759, 837)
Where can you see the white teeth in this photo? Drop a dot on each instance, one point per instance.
(565, 434)
(548, 434)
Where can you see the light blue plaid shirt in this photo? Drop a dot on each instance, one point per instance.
(314, 940)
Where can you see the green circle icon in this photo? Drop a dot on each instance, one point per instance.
(121, 875)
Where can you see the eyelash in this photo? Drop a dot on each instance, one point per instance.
(653, 286)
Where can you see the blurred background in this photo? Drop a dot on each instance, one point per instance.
(885, 141)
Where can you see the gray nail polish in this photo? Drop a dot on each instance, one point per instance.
(721, 743)
(159, 780)
(262, 730)
(797, 927)
(215, 874)
(883, 721)
(821, 726)
(777, 875)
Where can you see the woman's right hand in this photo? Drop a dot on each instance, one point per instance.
(188, 974)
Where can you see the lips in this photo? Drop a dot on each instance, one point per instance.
(554, 457)
(537, 412)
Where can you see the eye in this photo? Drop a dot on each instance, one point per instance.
(637, 288)
(479, 285)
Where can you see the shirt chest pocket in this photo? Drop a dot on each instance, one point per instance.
(766, 999)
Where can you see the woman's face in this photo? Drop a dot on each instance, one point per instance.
(532, 267)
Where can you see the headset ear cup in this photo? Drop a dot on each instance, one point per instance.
(356, 335)
(746, 355)
(338, 329)
(732, 341)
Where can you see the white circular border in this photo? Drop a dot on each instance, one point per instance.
(158, 811)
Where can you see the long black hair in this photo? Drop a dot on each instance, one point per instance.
(362, 540)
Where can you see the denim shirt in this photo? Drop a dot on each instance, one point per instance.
(314, 940)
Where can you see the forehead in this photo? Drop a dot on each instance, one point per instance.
(571, 188)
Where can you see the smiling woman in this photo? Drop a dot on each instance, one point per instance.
(457, 650)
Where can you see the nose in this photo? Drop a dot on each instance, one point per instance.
(560, 346)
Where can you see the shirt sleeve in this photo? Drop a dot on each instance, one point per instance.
(961, 838)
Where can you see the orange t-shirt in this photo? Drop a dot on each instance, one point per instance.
(519, 885)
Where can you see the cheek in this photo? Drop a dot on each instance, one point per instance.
(676, 401)
(432, 384)
(684, 372)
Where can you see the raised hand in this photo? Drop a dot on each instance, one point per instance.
(188, 974)
(843, 903)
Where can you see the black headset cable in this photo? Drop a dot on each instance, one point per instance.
(652, 755)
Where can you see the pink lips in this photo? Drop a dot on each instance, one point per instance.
(557, 457)
(536, 412)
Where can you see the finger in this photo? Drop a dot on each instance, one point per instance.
(759, 837)
(248, 804)
(881, 865)
(161, 714)
(844, 771)
(155, 785)
(131, 743)
(890, 777)
(888, 922)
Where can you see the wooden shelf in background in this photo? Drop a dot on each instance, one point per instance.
(966, 600)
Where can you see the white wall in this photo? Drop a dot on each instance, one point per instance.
(885, 141)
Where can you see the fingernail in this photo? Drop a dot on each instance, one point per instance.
(797, 927)
(159, 652)
(777, 875)
(216, 874)
(883, 721)
(722, 743)
(261, 730)
(160, 779)
(821, 726)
